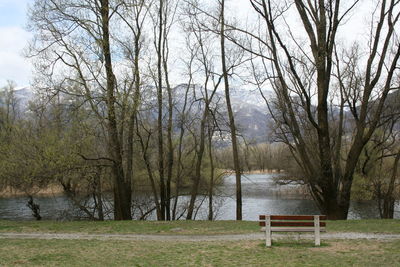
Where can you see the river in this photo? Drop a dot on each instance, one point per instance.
(260, 196)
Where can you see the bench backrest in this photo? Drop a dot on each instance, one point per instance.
(293, 222)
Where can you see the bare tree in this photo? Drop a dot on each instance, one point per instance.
(302, 80)
(232, 126)
(207, 97)
(183, 119)
(144, 134)
(379, 161)
(74, 38)
(9, 104)
(163, 21)
(159, 49)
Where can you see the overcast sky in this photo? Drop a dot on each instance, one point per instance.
(14, 37)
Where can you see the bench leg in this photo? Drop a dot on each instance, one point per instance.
(317, 230)
(268, 241)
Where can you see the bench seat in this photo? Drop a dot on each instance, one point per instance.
(292, 223)
(293, 229)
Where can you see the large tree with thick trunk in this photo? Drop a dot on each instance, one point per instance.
(321, 85)
(75, 54)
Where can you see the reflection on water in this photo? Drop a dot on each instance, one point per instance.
(50, 207)
(260, 196)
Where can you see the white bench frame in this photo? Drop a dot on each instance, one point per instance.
(316, 229)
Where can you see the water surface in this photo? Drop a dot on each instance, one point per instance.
(260, 196)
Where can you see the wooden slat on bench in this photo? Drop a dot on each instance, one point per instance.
(293, 217)
(293, 229)
(297, 224)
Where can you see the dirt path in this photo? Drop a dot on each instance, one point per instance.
(194, 238)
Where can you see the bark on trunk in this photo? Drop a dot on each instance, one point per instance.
(160, 113)
(122, 188)
(211, 184)
(197, 176)
(144, 146)
(98, 193)
(170, 153)
(180, 147)
(232, 126)
(389, 199)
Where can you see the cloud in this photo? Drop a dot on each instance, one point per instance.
(13, 65)
(17, 3)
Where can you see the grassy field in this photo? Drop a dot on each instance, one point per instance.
(221, 253)
(183, 227)
(290, 252)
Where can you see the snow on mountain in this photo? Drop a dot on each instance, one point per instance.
(252, 117)
(241, 98)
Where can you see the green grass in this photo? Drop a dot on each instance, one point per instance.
(223, 253)
(365, 226)
(132, 227)
(57, 252)
(185, 227)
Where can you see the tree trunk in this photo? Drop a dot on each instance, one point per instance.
(160, 113)
(145, 145)
(170, 154)
(389, 199)
(180, 147)
(211, 184)
(99, 197)
(197, 176)
(122, 188)
(232, 126)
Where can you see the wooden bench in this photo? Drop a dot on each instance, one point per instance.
(292, 223)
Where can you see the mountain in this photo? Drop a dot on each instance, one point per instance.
(24, 96)
(19, 98)
(252, 117)
(251, 114)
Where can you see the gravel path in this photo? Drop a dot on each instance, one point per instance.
(194, 238)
